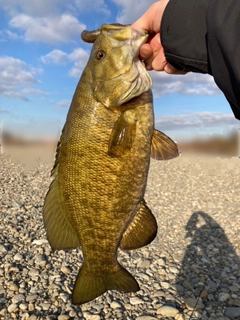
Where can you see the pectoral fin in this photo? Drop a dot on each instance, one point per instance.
(122, 137)
(163, 147)
(141, 231)
(60, 233)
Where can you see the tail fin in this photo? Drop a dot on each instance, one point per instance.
(88, 287)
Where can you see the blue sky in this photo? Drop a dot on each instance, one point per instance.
(42, 57)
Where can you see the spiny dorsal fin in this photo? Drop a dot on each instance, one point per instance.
(163, 147)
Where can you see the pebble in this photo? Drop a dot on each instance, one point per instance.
(18, 298)
(223, 296)
(135, 300)
(143, 264)
(2, 249)
(165, 285)
(18, 257)
(173, 270)
(12, 307)
(193, 303)
(115, 305)
(232, 312)
(146, 318)
(65, 270)
(92, 316)
(168, 311)
(63, 317)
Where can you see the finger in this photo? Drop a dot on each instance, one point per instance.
(146, 51)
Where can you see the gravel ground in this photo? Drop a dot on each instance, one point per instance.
(190, 271)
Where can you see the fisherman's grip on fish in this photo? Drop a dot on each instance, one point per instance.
(96, 200)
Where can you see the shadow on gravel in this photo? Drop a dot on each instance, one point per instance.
(210, 272)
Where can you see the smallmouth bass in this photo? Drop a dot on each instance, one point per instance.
(96, 200)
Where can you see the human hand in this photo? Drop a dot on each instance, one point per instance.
(152, 51)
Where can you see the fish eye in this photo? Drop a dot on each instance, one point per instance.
(100, 55)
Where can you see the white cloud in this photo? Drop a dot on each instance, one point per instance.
(54, 21)
(132, 10)
(16, 78)
(64, 103)
(191, 84)
(195, 120)
(49, 29)
(79, 57)
(56, 57)
(33, 91)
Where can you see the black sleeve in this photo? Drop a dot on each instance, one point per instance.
(204, 36)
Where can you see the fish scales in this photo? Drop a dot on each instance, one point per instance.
(96, 198)
(99, 190)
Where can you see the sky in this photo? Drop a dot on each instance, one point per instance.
(42, 57)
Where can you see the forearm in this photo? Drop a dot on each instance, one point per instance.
(183, 35)
(203, 36)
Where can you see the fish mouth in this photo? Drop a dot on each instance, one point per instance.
(140, 80)
(139, 37)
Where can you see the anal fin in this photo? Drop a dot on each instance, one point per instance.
(141, 231)
(60, 232)
(163, 147)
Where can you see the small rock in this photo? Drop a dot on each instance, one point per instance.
(2, 249)
(115, 305)
(204, 294)
(223, 296)
(12, 307)
(13, 287)
(164, 284)
(187, 285)
(234, 302)
(65, 270)
(18, 298)
(18, 257)
(41, 260)
(31, 307)
(146, 318)
(31, 297)
(234, 288)
(45, 306)
(161, 262)
(135, 300)
(143, 264)
(167, 311)
(23, 306)
(143, 276)
(91, 316)
(232, 312)
(173, 270)
(40, 242)
(193, 303)
(63, 317)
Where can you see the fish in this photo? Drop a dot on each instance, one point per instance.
(96, 198)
